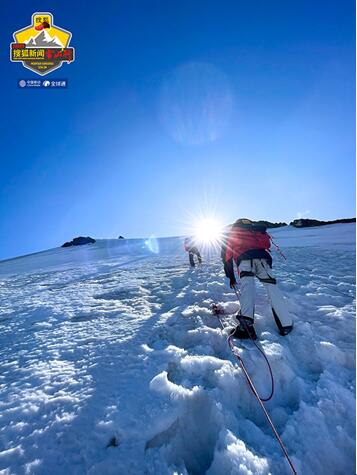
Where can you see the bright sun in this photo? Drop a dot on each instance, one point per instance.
(208, 231)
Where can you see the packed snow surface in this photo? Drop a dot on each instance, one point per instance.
(112, 363)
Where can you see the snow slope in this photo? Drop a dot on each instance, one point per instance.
(111, 362)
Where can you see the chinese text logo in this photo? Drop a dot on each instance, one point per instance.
(42, 46)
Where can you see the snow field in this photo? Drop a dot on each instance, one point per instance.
(112, 363)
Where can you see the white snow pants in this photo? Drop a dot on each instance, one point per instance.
(248, 269)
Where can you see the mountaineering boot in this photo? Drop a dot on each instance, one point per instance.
(245, 328)
(285, 330)
(239, 332)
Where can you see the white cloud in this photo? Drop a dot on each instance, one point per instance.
(303, 214)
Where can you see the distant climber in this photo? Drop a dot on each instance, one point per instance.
(192, 250)
(248, 245)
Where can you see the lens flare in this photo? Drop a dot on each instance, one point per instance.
(152, 244)
(208, 231)
(196, 103)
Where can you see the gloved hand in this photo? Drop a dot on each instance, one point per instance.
(232, 282)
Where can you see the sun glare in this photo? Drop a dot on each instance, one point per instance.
(208, 231)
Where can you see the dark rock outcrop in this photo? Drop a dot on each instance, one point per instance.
(79, 241)
(268, 224)
(121, 237)
(308, 223)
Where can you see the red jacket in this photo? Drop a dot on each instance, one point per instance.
(242, 240)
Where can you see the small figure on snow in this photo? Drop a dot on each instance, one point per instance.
(192, 250)
(248, 244)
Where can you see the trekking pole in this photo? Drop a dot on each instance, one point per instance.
(277, 247)
(236, 291)
(322, 285)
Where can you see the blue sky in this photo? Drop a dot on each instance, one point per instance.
(177, 109)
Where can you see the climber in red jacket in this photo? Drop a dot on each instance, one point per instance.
(247, 244)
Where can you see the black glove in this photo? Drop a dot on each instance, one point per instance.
(232, 282)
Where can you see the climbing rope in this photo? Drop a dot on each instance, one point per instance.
(261, 402)
(255, 392)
